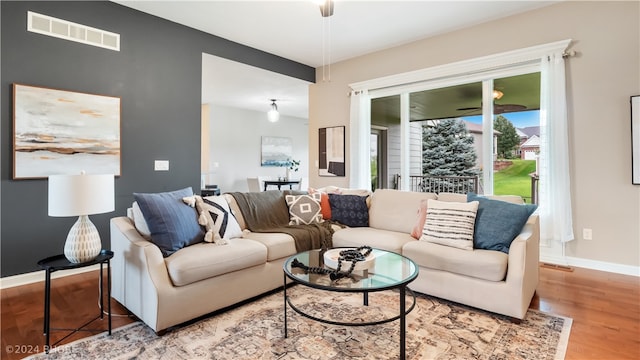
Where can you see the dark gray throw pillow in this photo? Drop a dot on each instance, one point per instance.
(349, 210)
(498, 222)
(172, 223)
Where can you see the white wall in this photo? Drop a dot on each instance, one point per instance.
(600, 80)
(235, 142)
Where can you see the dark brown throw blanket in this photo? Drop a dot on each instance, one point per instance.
(267, 212)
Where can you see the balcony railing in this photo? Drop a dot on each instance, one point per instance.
(535, 179)
(438, 184)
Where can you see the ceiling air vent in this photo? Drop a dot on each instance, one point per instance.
(47, 25)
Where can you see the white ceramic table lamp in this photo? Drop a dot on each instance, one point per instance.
(81, 195)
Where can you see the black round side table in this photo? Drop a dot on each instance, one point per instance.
(60, 262)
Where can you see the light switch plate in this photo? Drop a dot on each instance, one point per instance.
(161, 165)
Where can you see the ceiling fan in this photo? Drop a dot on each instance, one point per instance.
(497, 108)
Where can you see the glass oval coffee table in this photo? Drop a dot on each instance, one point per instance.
(387, 272)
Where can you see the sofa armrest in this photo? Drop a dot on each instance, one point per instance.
(139, 273)
(523, 262)
(524, 250)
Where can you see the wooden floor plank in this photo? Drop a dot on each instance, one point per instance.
(605, 308)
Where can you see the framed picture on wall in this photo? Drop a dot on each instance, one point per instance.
(331, 150)
(64, 132)
(276, 151)
(635, 139)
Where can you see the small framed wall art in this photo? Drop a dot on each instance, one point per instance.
(635, 140)
(64, 132)
(331, 151)
(276, 151)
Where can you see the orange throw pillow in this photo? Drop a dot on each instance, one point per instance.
(416, 232)
(325, 206)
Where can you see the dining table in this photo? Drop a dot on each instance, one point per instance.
(280, 183)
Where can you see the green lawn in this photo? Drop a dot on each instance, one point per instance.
(515, 179)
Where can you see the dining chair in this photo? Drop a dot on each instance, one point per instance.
(255, 185)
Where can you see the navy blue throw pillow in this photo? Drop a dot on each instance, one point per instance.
(349, 210)
(498, 222)
(172, 223)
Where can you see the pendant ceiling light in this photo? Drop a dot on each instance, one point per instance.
(326, 7)
(273, 115)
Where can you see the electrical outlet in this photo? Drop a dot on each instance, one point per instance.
(161, 165)
(587, 234)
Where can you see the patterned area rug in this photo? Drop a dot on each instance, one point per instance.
(436, 329)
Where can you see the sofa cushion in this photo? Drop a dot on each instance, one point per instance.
(376, 238)
(219, 218)
(452, 197)
(172, 223)
(498, 222)
(304, 209)
(483, 264)
(349, 210)
(347, 191)
(139, 221)
(278, 245)
(235, 210)
(206, 260)
(395, 210)
(450, 223)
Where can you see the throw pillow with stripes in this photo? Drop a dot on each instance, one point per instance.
(450, 223)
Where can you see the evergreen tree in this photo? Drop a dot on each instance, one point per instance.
(508, 139)
(447, 150)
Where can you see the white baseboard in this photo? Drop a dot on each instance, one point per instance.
(38, 276)
(592, 264)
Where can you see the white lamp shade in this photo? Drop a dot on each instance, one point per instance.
(273, 115)
(75, 195)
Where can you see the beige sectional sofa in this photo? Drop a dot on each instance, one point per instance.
(195, 280)
(486, 279)
(202, 278)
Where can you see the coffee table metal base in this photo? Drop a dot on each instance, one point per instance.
(402, 314)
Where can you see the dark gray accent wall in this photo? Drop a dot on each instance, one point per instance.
(157, 75)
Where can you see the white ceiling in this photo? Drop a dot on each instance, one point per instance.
(294, 30)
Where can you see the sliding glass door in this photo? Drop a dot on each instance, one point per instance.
(497, 106)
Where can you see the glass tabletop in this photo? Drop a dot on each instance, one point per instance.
(388, 270)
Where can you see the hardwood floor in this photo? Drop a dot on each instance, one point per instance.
(74, 301)
(605, 308)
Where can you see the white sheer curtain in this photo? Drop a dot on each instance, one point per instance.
(556, 223)
(359, 140)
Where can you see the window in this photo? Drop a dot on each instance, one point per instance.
(547, 60)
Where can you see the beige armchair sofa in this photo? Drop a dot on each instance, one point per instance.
(201, 278)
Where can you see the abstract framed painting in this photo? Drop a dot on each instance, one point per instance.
(331, 151)
(64, 132)
(276, 151)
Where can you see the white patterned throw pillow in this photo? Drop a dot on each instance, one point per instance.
(304, 209)
(216, 217)
(450, 223)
